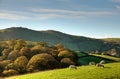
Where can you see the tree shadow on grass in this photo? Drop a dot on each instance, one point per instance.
(107, 67)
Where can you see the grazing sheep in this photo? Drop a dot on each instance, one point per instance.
(72, 67)
(102, 62)
(92, 63)
(99, 65)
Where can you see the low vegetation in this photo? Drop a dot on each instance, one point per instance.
(107, 57)
(110, 71)
(18, 57)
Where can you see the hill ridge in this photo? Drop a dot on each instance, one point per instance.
(54, 37)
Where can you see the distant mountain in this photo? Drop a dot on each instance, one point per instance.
(53, 37)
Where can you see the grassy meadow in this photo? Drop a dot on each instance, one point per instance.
(110, 71)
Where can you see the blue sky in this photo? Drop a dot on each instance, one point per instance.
(91, 18)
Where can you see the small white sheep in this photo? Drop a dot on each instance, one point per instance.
(92, 63)
(99, 65)
(102, 62)
(72, 67)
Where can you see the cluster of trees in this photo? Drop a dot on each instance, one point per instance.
(111, 52)
(18, 57)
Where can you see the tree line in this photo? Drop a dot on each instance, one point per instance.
(19, 57)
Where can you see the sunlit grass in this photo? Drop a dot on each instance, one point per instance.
(111, 71)
(107, 57)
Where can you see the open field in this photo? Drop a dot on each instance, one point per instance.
(110, 71)
(107, 57)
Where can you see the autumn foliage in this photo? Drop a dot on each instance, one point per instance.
(18, 57)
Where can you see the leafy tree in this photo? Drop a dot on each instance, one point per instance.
(66, 53)
(11, 66)
(21, 63)
(4, 63)
(43, 44)
(9, 72)
(13, 54)
(41, 62)
(67, 61)
(11, 44)
(53, 51)
(25, 52)
(6, 52)
(60, 47)
(113, 52)
(37, 49)
(19, 44)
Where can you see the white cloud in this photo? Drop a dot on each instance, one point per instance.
(61, 11)
(12, 16)
(118, 7)
(107, 36)
(116, 0)
(64, 0)
(38, 14)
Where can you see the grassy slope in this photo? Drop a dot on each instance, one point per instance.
(111, 71)
(116, 40)
(107, 57)
(85, 59)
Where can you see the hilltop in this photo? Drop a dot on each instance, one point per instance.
(54, 37)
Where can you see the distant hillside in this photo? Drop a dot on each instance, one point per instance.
(53, 37)
(112, 40)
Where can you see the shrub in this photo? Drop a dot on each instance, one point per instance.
(66, 54)
(60, 47)
(41, 62)
(13, 55)
(1, 58)
(19, 44)
(6, 52)
(39, 49)
(11, 66)
(21, 63)
(66, 62)
(9, 72)
(5, 63)
(11, 43)
(53, 51)
(25, 52)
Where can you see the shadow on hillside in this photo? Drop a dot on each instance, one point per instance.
(107, 67)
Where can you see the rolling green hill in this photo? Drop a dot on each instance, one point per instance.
(54, 37)
(113, 40)
(84, 59)
(110, 71)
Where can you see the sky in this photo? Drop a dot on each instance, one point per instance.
(90, 18)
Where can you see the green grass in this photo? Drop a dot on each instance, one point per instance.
(97, 58)
(90, 58)
(80, 54)
(115, 40)
(107, 57)
(111, 71)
